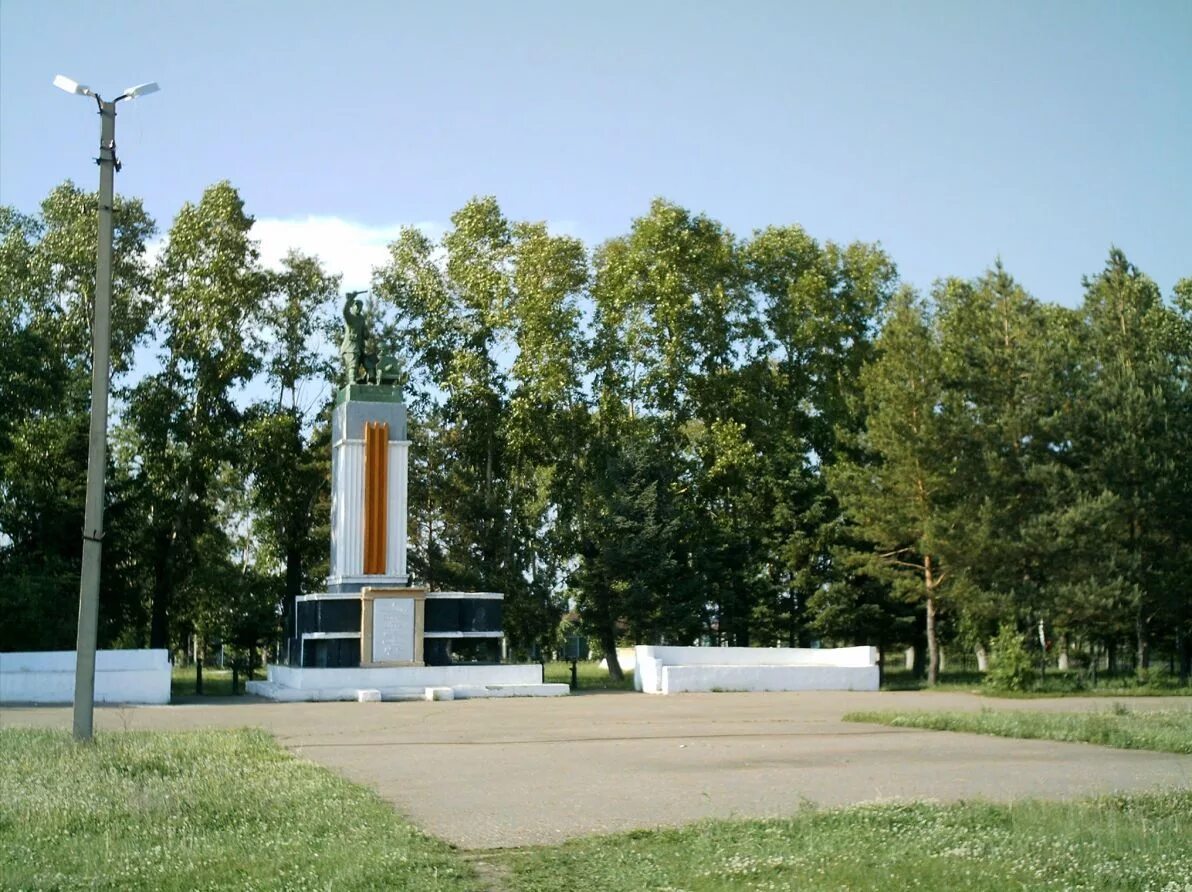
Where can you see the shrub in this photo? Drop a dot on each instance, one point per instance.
(1010, 665)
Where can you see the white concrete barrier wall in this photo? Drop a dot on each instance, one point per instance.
(683, 679)
(405, 676)
(121, 676)
(652, 659)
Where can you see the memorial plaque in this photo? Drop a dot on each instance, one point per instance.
(393, 630)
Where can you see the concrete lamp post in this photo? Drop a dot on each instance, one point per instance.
(84, 694)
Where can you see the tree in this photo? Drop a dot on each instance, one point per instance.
(901, 488)
(626, 536)
(818, 305)
(182, 423)
(487, 331)
(286, 437)
(671, 321)
(47, 286)
(1133, 427)
(857, 605)
(546, 420)
(449, 318)
(1004, 358)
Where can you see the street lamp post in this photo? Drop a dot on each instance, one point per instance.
(84, 695)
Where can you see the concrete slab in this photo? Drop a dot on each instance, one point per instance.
(514, 772)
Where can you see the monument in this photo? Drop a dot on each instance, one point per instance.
(371, 635)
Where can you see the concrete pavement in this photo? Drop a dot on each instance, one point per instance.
(498, 773)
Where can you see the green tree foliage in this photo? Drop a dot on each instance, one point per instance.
(47, 286)
(1003, 363)
(1011, 668)
(685, 435)
(628, 577)
(183, 425)
(818, 306)
(486, 324)
(1134, 427)
(671, 319)
(286, 436)
(902, 489)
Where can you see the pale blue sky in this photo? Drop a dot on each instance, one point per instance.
(952, 132)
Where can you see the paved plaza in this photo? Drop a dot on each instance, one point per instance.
(496, 773)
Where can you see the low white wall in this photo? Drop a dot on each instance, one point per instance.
(405, 676)
(680, 679)
(653, 659)
(121, 676)
(478, 691)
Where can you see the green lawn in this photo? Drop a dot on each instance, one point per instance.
(589, 674)
(1138, 842)
(1168, 731)
(216, 682)
(199, 810)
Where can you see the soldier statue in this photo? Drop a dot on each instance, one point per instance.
(351, 346)
(362, 362)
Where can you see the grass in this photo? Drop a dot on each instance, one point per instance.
(1168, 731)
(905, 680)
(1136, 842)
(1054, 684)
(590, 675)
(199, 810)
(216, 682)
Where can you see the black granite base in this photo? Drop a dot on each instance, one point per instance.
(321, 616)
(463, 615)
(328, 615)
(331, 653)
(455, 651)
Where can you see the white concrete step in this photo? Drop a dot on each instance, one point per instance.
(281, 693)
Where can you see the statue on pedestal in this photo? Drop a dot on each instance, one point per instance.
(362, 363)
(351, 346)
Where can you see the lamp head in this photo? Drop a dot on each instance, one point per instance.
(65, 83)
(140, 90)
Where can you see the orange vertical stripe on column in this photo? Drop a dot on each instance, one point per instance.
(376, 490)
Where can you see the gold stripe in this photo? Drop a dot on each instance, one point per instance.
(376, 487)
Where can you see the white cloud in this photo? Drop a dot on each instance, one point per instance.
(345, 247)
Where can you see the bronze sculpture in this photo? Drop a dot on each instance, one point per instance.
(362, 363)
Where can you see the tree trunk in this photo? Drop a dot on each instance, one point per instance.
(163, 589)
(292, 591)
(1142, 637)
(793, 631)
(933, 647)
(1184, 643)
(608, 644)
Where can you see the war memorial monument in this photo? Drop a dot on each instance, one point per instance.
(371, 635)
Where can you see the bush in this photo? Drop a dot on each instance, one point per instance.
(1010, 665)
